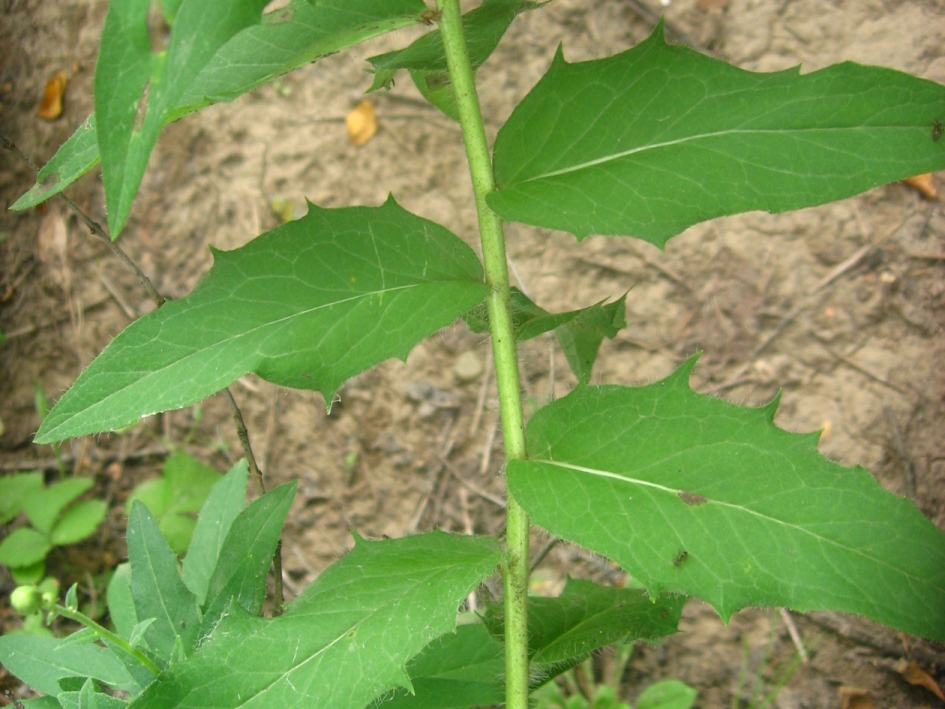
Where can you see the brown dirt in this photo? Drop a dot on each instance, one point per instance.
(855, 358)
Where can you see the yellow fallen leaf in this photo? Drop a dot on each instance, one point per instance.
(924, 184)
(855, 697)
(913, 674)
(361, 123)
(51, 107)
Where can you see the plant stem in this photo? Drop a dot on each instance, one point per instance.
(503, 347)
(106, 634)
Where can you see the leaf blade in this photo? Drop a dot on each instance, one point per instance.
(200, 29)
(246, 555)
(298, 34)
(157, 589)
(587, 616)
(306, 305)
(401, 593)
(224, 503)
(44, 506)
(75, 157)
(42, 662)
(78, 522)
(24, 547)
(695, 495)
(650, 141)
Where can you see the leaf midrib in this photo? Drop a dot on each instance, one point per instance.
(688, 139)
(663, 488)
(104, 401)
(285, 674)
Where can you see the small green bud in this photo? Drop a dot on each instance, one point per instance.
(50, 598)
(26, 600)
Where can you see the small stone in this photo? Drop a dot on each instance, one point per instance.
(468, 367)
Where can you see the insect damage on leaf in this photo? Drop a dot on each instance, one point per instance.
(691, 498)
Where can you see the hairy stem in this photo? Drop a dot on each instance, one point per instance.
(503, 346)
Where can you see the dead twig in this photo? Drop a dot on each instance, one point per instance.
(437, 476)
(847, 265)
(867, 373)
(94, 227)
(471, 486)
(907, 466)
(487, 448)
(243, 435)
(795, 636)
(483, 392)
(122, 303)
(94, 454)
(543, 553)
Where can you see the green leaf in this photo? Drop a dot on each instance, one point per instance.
(668, 694)
(226, 500)
(79, 521)
(587, 616)
(157, 589)
(579, 332)
(42, 703)
(91, 697)
(344, 641)
(24, 547)
(177, 531)
(42, 662)
(154, 493)
(287, 38)
(40, 402)
(580, 339)
(29, 575)
(465, 668)
(138, 84)
(457, 670)
(650, 141)
(246, 555)
(43, 506)
(482, 27)
(183, 489)
(694, 495)
(121, 605)
(190, 482)
(14, 489)
(74, 158)
(306, 305)
(293, 36)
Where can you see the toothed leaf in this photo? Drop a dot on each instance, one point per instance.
(650, 141)
(694, 495)
(345, 641)
(306, 305)
(289, 37)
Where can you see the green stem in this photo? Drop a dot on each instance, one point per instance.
(503, 346)
(106, 634)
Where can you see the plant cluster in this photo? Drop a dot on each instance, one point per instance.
(56, 518)
(692, 496)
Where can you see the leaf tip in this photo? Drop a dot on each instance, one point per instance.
(771, 408)
(684, 371)
(659, 32)
(557, 63)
